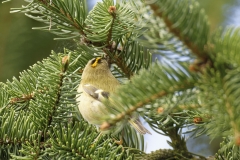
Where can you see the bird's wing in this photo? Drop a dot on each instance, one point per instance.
(100, 95)
(94, 92)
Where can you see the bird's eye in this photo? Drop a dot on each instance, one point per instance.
(95, 61)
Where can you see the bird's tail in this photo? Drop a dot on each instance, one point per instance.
(137, 125)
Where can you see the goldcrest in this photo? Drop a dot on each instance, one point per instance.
(96, 84)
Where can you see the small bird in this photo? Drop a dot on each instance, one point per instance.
(97, 84)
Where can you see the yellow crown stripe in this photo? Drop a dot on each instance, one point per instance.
(96, 62)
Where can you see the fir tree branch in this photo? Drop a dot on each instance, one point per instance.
(61, 76)
(177, 141)
(106, 125)
(233, 124)
(49, 92)
(22, 99)
(123, 66)
(143, 92)
(117, 57)
(104, 25)
(194, 48)
(200, 52)
(168, 154)
(226, 52)
(161, 154)
(227, 150)
(63, 18)
(112, 11)
(108, 22)
(231, 80)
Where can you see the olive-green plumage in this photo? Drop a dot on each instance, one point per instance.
(97, 83)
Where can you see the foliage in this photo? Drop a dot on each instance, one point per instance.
(196, 83)
(17, 28)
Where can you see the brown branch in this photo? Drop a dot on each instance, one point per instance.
(121, 64)
(112, 12)
(22, 99)
(46, 3)
(65, 62)
(119, 117)
(199, 52)
(235, 127)
(117, 59)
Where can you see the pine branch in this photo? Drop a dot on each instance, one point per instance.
(107, 22)
(16, 130)
(222, 41)
(227, 150)
(165, 11)
(41, 111)
(69, 20)
(231, 103)
(162, 154)
(63, 18)
(142, 92)
(131, 59)
(51, 109)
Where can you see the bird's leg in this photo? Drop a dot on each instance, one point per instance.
(93, 143)
(120, 142)
(100, 134)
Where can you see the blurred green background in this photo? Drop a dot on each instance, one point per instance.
(20, 46)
